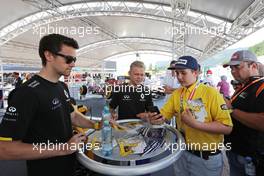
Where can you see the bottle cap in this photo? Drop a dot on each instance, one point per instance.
(106, 122)
(248, 159)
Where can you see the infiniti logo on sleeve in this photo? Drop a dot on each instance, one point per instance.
(126, 97)
(12, 109)
(55, 101)
(11, 114)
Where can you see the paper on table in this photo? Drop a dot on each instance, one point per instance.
(136, 144)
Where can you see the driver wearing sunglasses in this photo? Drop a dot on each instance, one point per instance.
(68, 59)
(42, 114)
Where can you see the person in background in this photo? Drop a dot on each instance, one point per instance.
(147, 80)
(170, 84)
(170, 81)
(208, 80)
(223, 87)
(247, 137)
(18, 80)
(27, 77)
(1, 99)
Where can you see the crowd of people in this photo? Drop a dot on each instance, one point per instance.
(209, 118)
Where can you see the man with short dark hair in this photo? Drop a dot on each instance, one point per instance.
(203, 119)
(18, 80)
(247, 137)
(40, 116)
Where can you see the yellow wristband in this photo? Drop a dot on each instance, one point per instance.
(96, 126)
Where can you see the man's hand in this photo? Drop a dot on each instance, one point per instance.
(156, 119)
(75, 141)
(114, 115)
(168, 89)
(144, 116)
(188, 118)
(99, 125)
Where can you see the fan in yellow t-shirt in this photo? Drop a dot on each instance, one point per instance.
(202, 117)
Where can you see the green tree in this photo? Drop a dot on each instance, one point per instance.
(150, 67)
(258, 49)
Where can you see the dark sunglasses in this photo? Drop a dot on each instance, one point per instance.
(68, 59)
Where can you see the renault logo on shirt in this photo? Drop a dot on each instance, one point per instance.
(12, 109)
(126, 96)
(142, 97)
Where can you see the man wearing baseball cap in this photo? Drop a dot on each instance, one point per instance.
(241, 56)
(202, 118)
(208, 80)
(170, 81)
(247, 137)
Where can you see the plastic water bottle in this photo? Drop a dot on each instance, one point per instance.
(106, 115)
(107, 145)
(250, 169)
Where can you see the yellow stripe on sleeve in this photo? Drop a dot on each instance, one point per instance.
(5, 139)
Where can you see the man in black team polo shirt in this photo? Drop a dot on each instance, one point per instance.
(133, 98)
(39, 113)
(247, 137)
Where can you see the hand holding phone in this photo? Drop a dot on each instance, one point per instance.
(153, 109)
(155, 119)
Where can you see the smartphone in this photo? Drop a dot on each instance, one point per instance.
(153, 109)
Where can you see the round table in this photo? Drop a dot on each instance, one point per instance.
(171, 138)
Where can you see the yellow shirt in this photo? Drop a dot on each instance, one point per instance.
(215, 108)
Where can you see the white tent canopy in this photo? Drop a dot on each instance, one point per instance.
(107, 28)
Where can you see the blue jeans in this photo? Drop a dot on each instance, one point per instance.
(192, 165)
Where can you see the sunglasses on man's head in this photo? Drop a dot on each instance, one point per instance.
(68, 59)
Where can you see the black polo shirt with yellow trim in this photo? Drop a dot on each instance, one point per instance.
(38, 112)
(130, 100)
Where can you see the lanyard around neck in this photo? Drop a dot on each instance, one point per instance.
(190, 96)
(179, 126)
(244, 88)
(192, 92)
